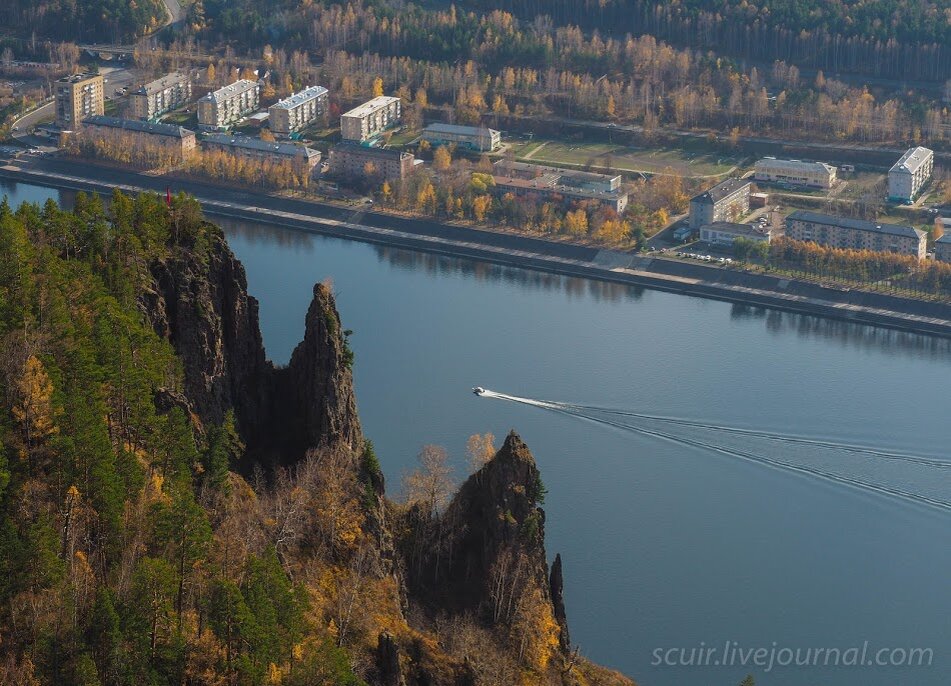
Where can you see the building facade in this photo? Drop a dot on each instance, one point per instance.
(256, 149)
(226, 106)
(909, 174)
(298, 111)
(370, 119)
(353, 160)
(77, 97)
(160, 96)
(726, 202)
(177, 141)
(551, 183)
(795, 173)
(942, 248)
(725, 233)
(476, 138)
(855, 234)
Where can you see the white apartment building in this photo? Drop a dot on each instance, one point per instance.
(370, 119)
(161, 96)
(909, 174)
(795, 173)
(298, 111)
(225, 106)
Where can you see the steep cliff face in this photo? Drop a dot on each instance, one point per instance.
(200, 303)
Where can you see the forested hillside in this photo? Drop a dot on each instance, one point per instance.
(82, 20)
(176, 510)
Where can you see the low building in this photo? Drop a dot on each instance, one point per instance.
(909, 175)
(226, 106)
(522, 179)
(795, 173)
(725, 233)
(257, 149)
(476, 138)
(370, 119)
(353, 160)
(298, 111)
(160, 96)
(942, 248)
(727, 201)
(682, 233)
(77, 97)
(178, 141)
(855, 234)
(759, 199)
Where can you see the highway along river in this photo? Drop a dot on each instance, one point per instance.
(718, 476)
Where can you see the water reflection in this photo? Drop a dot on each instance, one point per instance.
(844, 333)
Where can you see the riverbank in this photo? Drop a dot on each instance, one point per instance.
(531, 253)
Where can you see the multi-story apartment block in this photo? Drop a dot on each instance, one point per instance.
(175, 139)
(298, 111)
(160, 96)
(354, 160)
(257, 149)
(795, 173)
(726, 202)
(370, 119)
(226, 106)
(477, 138)
(942, 248)
(523, 179)
(909, 174)
(855, 234)
(77, 97)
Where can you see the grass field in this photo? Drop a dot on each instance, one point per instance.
(691, 163)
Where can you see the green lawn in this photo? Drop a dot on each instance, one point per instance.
(693, 163)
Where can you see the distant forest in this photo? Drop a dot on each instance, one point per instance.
(82, 20)
(887, 38)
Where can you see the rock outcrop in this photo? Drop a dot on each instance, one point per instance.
(200, 303)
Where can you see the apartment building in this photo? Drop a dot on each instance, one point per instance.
(725, 233)
(77, 97)
(257, 149)
(551, 183)
(795, 173)
(942, 248)
(352, 160)
(226, 106)
(298, 111)
(160, 96)
(370, 119)
(855, 234)
(175, 139)
(475, 138)
(726, 202)
(909, 174)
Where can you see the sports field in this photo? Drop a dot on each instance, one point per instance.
(693, 163)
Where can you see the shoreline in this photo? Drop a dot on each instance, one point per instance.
(430, 236)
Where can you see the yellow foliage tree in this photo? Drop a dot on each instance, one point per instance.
(377, 87)
(442, 158)
(34, 407)
(480, 205)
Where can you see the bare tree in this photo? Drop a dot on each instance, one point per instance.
(431, 484)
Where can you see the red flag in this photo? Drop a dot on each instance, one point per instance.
(168, 196)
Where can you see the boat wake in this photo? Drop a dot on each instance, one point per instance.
(645, 424)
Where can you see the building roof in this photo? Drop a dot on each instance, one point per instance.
(370, 106)
(911, 160)
(720, 191)
(249, 143)
(161, 84)
(76, 78)
(797, 165)
(945, 239)
(300, 97)
(539, 171)
(857, 224)
(230, 91)
(139, 126)
(367, 151)
(439, 127)
(736, 228)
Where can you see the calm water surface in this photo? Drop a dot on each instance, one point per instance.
(667, 542)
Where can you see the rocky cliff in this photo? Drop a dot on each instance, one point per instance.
(199, 301)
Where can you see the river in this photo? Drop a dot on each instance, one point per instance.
(679, 532)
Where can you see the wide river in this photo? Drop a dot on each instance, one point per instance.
(739, 520)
